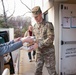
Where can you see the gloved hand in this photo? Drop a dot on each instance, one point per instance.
(33, 47)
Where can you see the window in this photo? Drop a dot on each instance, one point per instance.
(3, 37)
(46, 16)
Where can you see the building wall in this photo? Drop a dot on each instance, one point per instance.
(53, 13)
(56, 23)
(57, 30)
(54, 19)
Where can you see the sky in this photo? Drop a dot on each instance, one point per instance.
(20, 9)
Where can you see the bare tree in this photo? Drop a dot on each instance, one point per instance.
(5, 16)
(25, 5)
(12, 12)
(27, 8)
(5, 19)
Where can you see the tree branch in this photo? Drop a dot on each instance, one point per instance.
(25, 5)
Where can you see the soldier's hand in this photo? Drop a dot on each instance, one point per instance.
(30, 44)
(33, 47)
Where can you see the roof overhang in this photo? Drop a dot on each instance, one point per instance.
(50, 4)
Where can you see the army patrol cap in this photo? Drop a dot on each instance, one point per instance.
(36, 11)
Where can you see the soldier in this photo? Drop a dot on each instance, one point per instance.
(44, 33)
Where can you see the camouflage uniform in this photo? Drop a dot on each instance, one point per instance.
(44, 33)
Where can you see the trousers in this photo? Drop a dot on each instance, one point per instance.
(29, 54)
(49, 60)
